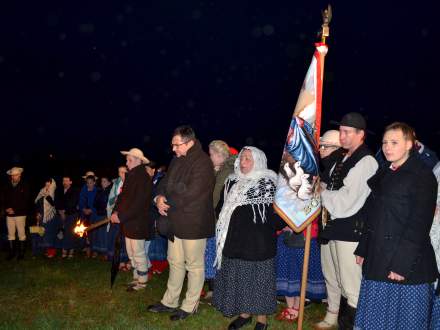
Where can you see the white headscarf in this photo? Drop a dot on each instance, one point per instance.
(256, 188)
(48, 209)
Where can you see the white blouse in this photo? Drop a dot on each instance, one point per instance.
(350, 198)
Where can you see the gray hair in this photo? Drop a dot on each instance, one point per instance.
(220, 147)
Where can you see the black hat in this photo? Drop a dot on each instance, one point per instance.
(355, 120)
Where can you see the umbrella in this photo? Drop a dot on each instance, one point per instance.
(116, 258)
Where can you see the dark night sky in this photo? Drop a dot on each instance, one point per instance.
(83, 80)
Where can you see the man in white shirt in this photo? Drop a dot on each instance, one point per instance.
(344, 198)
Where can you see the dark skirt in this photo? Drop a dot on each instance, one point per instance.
(51, 228)
(210, 258)
(242, 286)
(98, 236)
(70, 239)
(393, 306)
(435, 314)
(289, 263)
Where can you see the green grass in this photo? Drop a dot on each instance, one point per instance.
(75, 294)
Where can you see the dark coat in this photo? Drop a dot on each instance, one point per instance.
(133, 204)
(17, 198)
(249, 240)
(399, 214)
(68, 201)
(101, 199)
(221, 176)
(188, 187)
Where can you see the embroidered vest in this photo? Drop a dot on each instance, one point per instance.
(349, 228)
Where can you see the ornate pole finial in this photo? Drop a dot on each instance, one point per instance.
(326, 18)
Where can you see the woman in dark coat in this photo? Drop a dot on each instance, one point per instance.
(395, 251)
(223, 163)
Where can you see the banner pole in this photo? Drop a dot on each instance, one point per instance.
(305, 271)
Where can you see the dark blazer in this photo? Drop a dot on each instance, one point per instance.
(133, 204)
(17, 198)
(399, 214)
(67, 201)
(188, 187)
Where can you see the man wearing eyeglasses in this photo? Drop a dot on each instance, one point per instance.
(185, 197)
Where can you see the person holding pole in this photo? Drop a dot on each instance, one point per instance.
(330, 152)
(131, 211)
(343, 197)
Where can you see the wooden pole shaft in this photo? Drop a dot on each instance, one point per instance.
(304, 276)
(97, 224)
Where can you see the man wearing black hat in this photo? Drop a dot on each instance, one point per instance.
(344, 198)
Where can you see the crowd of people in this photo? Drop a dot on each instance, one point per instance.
(375, 248)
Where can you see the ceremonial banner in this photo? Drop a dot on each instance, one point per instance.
(297, 200)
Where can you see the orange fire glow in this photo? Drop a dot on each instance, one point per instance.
(79, 229)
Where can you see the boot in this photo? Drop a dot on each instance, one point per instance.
(350, 318)
(11, 250)
(21, 248)
(342, 313)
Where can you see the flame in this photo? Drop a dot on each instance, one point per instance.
(79, 229)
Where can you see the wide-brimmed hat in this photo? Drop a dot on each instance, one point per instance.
(90, 173)
(135, 152)
(15, 171)
(331, 137)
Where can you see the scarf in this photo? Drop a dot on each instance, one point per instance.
(48, 209)
(256, 188)
(114, 192)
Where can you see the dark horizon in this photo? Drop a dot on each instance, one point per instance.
(83, 82)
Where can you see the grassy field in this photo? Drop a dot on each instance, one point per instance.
(75, 294)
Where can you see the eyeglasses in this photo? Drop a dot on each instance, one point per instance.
(178, 144)
(327, 146)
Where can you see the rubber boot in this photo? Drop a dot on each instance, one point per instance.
(21, 248)
(350, 317)
(11, 250)
(342, 314)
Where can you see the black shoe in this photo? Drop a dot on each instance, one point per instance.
(261, 326)
(179, 315)
(239, 322)
(11, 250)
(160, 308)
(21, 248)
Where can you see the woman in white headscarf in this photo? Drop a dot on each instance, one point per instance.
(246, 242)
(46, 216)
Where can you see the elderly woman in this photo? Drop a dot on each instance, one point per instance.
(223, 166)
(330, 153)
(246, 242)
(46, 216)
(395, 251)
